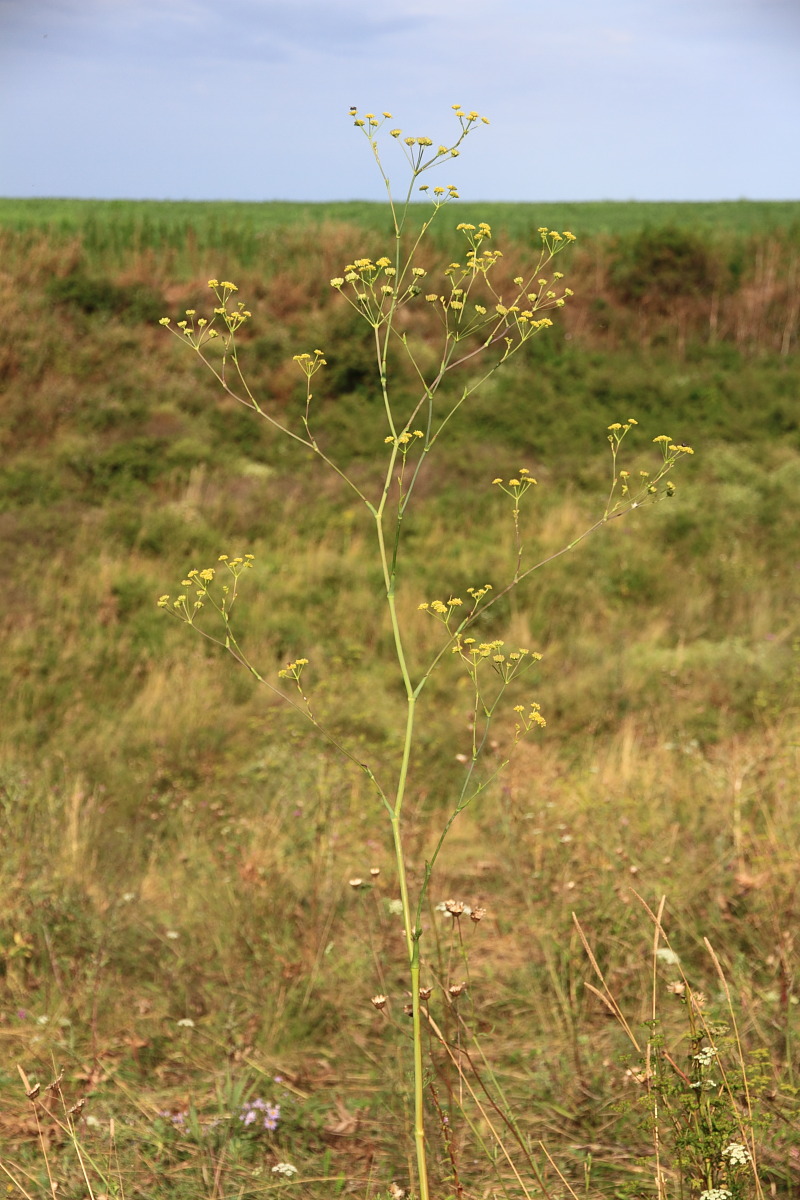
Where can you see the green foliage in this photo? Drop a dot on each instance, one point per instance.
(26, 483)
(659, 265)
(134, 303)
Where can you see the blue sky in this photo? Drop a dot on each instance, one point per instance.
(248, 100)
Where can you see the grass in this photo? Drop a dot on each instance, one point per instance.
(252, 233)
(178, 930)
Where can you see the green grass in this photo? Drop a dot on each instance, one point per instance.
(150, 790)
(250, 232)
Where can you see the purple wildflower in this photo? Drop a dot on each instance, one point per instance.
(267, 1114)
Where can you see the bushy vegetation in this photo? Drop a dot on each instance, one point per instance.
(178, 932)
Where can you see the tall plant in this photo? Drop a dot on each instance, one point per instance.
(476, 314)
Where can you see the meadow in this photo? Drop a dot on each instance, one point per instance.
(177, 926)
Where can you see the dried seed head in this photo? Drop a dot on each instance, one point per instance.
(454, 907)
(477, 914)
(456, 989)
(356, 883)
(425, 993)
(374, 872)
(408, 1009)
(380, 1002)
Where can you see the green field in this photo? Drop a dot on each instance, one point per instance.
(249, 231)
(177, 927)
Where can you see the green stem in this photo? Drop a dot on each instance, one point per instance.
(412, 930)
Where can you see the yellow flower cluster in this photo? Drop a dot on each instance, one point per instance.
(404, 439)
(441, 195)
(293, 670)
(621, 429)
(439, 607)
(551, 237)
(419, 150)
(181, 608)
(372, 298)
(477, 594)
(648, 488)
(308, 365)
(528, 719)
(470, 118)
(507, 665)
(462, 316)
(197, 333)
(516, 488)
(444, 609)
(670, 447)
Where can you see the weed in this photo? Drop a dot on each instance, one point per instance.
(473, 319)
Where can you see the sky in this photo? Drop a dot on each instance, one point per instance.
(249, 99)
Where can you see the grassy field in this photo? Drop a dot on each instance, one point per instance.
(252, 233)
(178, 930)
